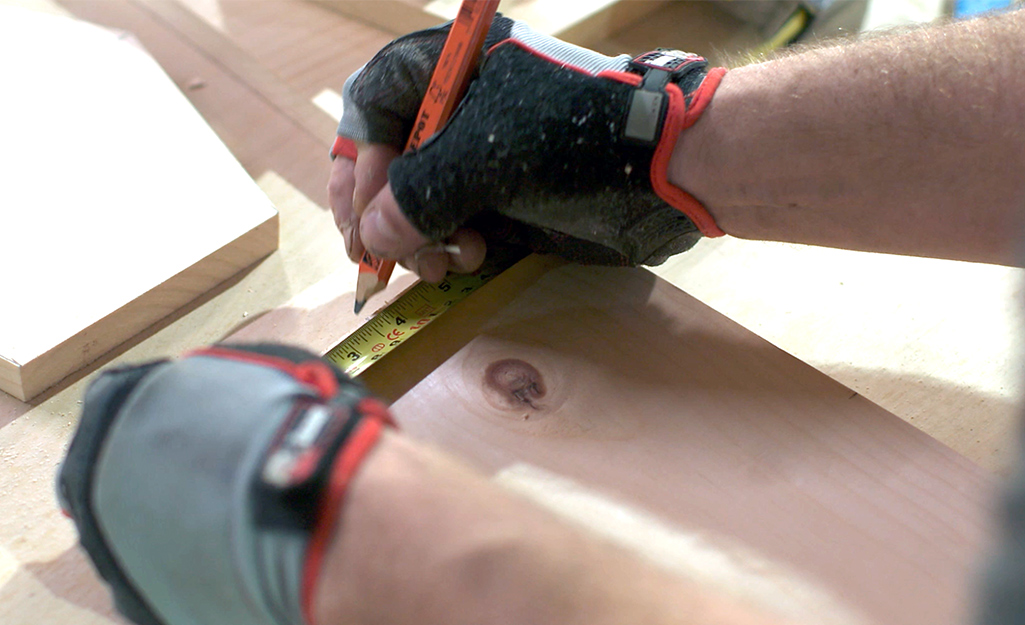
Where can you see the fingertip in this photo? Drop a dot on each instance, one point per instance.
(430, 266)
(472, 250)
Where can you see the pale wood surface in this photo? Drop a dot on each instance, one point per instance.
(939, 343)
(146, 211)
(42, 573)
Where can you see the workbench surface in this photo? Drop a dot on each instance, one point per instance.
(937, 343)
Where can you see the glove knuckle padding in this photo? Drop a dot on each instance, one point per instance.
(385, 95)
(541, 144)
(392, 85)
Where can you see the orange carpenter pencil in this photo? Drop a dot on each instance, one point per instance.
(448, 85)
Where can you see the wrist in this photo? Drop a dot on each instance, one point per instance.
(423, 539)
(683, 86)
(394, 552)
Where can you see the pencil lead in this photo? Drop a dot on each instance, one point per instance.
(358, 306)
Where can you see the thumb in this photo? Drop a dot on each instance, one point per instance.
(384, 229)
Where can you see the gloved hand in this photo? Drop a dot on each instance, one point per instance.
(566, 149)
(206, 489)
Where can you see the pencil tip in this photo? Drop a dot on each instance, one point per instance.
(358, 306)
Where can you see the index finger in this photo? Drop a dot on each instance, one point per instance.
(340, 188)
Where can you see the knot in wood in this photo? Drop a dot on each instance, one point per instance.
(513, 384)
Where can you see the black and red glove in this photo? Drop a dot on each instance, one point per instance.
(570, 145)
(206, 489)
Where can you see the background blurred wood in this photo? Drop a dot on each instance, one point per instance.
(580, 21)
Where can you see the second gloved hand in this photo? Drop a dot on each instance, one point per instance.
(554, 146)
(206, 490)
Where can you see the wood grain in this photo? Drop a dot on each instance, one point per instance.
(394, 16)
(617, 379)
(145, 212)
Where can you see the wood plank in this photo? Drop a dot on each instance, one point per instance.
(248, 69)
(393, 16)
(886, 326)
(580, 22)
(320, 317)
(650, 396)
(261, 131)
(699, 27)
(303, 44)
(583, 23)
(150, 212)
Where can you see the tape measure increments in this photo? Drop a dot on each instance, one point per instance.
(409, 313)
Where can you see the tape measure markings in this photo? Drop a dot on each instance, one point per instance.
(410, 312)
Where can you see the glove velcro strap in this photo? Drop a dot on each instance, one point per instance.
(347, 462)
(678, 117)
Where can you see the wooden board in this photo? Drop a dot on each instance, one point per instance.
(651, 396)
(120, 204)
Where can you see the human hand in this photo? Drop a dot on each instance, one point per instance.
(355, 182)
(545, 150)
(207, 489)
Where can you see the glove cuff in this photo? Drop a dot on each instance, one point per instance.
(358, 445)
(674, 89)
(299, 486)
(683, 113)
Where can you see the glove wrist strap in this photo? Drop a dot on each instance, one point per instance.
(297, 490)
(675, 89)
(345, 466)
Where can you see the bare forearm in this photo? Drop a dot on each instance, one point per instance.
(424, 540)
(912, 143)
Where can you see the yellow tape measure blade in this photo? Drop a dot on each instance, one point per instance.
(411, 312)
